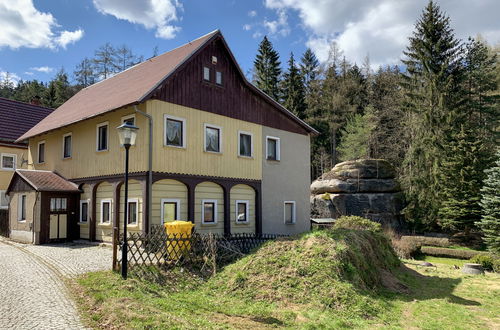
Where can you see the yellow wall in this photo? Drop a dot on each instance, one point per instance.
(6, 175)
(244, 193)
(86, 195)
(209, 190)
(15, 224)
(171, 189)
(104, 231)
(193, 159)
(85, 161)
(134, 192)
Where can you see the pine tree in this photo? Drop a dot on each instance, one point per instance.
(490, 204)
(58, 91)
(462, 174)
(355, 139)
(432, 100)
(309, 68)
(267, 69)
(293, 90)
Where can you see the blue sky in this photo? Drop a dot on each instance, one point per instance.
(39, 37)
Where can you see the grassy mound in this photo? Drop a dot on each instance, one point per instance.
(329, 268)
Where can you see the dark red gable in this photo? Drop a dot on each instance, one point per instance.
(236, 98)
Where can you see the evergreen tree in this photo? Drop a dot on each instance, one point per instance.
(7, 86)
(490, 204)
(432, 100)
(309, 68)
(355, 139)
(267, 69)
(29, 91)
(293, 90)
(462, 174)
(58, 91)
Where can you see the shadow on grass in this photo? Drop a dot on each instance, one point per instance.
(423, 287)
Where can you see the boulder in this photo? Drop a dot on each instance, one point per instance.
(354, 185)
(363, 169)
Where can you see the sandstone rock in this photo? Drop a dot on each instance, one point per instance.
(354, 185)
(364, 169)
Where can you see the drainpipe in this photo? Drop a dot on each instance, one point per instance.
(33, 227)
(150, 167)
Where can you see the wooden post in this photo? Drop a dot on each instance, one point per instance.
(115, 249)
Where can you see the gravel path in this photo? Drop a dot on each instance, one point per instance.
(32, 290)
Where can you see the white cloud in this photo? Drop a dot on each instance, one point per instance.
(381, 28)
(44, 69)
(24, 26)
(6, 76)
(278, 26)
(28, 73)
(252, 13)
(152, 14)
(247, 27)
(68, 37)
(257, 35)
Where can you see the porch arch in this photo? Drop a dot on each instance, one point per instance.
(166, 190)
(209, 191)
(245, 195)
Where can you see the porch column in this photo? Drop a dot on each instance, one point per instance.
(92, 225)
(145, 203)
(227, 208)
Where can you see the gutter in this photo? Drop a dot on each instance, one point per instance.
(150, 168)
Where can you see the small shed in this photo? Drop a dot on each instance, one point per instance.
(43, 207)
(319, 223)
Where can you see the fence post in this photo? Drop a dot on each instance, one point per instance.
(115, 248)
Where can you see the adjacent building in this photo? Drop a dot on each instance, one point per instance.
(211, 148)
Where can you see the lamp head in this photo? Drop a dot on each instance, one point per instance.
(127, 133)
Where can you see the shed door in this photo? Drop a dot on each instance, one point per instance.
(58, 226)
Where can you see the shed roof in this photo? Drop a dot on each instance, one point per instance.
(132, 86)
(45, 181)
(18, 117)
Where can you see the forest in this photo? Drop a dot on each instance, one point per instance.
(434, 116)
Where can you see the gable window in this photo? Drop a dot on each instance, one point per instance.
(84, 210)
(206, 73)
(132, 211)
(242, 211)
(67, 145)
(130, 119)
(41, 152)
(4, 200)
(272, 148)
(102, 137)
(175, 132)
(212, 138)
(8, 162)
(289, 212)
(106, 211)
(218, 78)
(209, 211)
(245, 144)
(21, 208)
(170, 209)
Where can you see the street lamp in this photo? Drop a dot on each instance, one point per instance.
(127, 133)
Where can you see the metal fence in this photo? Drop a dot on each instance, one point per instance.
(4, 223)
(204, 254)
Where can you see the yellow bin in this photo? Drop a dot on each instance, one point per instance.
(175, 231)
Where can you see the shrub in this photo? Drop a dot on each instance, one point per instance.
(405, 247)
(485, 260)
(449, 253)
(429, 241)
(496, 265)
(357, 223)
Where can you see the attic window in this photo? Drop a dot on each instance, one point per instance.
(206, 73)
(214, 60)
(218, 78)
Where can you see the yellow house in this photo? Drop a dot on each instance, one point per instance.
(16, 119)
(211, 149)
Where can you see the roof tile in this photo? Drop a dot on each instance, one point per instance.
(47, 181)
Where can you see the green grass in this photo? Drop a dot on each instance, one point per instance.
(444, 261)
(274, 288)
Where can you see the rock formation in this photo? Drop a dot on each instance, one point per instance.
(366, 187)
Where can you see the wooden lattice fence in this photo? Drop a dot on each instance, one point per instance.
(203, 253)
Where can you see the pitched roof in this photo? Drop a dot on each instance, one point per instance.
(127, 87)
(18, 117)
(133, 86)
(46, 181)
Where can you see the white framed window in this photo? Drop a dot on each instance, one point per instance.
(218, 78)
(58, 204)
(209, 211)
(106, 210)
(8, 162)
(84, 210)
(245, 144)
(129, 119)
(4, 200)
(213, 138)
(174, 132)
(41, 152)
(21, 208)
(132, 211)
(242, 211)
(67, 145)
(170, 209)
(273, 146)
(102, 136)
(289, 212)
(206, 73)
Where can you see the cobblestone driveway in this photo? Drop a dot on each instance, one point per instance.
(32, 290)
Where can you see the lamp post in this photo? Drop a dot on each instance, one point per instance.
(127, 133)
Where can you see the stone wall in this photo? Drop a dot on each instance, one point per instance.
(366, 188)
